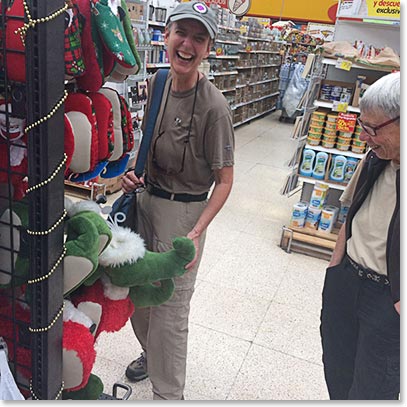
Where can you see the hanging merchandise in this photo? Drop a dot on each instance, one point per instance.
(295, 90)
(74, 63)
(107, 273)
(8, 387)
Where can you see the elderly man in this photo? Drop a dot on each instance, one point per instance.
(360, 319)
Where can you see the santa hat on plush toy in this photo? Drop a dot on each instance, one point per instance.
(93, 78)
(112, 33)
(104, 117)
(85, 162)
(15, 58)
(69, 142)
(119, 159)
(74, 63)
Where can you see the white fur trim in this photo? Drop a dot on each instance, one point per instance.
(125, 247)
(73, 314)
(81, 206)
(113, 292)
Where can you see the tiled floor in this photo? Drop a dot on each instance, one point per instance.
(254, 323)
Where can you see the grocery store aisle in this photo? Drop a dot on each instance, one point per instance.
(254, 322)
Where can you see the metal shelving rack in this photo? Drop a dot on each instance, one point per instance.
(40, 101)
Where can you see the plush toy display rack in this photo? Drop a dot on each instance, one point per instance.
(31, 319)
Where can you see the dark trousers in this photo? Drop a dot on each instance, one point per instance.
(360, 331)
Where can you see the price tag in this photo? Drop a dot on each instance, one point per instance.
(346, 122)
(343, 64)
(340, 106)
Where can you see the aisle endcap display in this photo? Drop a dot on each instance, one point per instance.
(329, 147)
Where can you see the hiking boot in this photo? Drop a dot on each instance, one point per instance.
(137, 370)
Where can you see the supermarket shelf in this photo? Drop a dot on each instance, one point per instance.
(158, 43)
(212, 55)
(228, 90)
(255, 100)
(330, 61)
(224, 27)
(228, 42)
(224, 73)
(259, 52)
(255, 39)
(254, 117)
(152, 66)
(372, 21)
(257, 66)
(256, 83)
(330, 105)
(332, 185)
(308, 241)
(335, 151)
(156, 23)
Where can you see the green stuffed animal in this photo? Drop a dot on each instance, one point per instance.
(127, 276)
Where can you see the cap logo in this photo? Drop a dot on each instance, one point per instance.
(200, 8)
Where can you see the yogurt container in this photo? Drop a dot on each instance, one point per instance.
(332, 118)
(345, 134)
(318, 115)
(358, 143)
(316, 129)
(328, 143)
(358, 149)
(330, 125)
(342, 147)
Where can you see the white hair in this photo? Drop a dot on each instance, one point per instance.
(383, 96)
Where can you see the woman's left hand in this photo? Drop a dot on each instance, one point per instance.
(195, 238)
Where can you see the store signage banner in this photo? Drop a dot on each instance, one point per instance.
(323, 11)
(383, 8)
(221, 3)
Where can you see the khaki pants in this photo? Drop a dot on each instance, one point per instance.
(163, 330)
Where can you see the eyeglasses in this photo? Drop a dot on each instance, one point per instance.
(372, 131)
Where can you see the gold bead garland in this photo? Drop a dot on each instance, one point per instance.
(22, 31)
(56, 397)
(47, 328)
(49, 115)
(48, 275)
(48, 180)
(51, 229)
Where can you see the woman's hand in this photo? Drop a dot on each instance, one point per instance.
(130, 182)
(194, 236)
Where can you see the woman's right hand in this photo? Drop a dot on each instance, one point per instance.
(130, 182)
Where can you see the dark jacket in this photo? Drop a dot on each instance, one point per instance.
(373, 167)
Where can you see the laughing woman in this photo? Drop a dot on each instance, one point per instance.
(192, 148)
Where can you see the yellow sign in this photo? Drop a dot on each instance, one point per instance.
(383, 8)
(340, 107)
(315, 10)
(344, 64)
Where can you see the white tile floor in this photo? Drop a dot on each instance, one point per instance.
(254, 323)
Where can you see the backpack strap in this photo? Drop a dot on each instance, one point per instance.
(152, 117)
